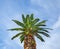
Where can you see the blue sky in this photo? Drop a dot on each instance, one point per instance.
(43, 9)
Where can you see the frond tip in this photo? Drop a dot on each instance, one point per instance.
(31, 17)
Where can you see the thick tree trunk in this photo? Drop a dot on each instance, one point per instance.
(29, 42)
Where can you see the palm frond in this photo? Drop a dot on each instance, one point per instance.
(40, 37)
(22, 38)
(35, 21)
(27, 21)
(16, 29)
(47, 35)
(16, 36)
(31, 17)
(42, 23)
(48, 28)
(18, 23)
(24, 19)
(43, 29)
(27, 17)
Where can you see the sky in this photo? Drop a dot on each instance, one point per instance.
(43, 9)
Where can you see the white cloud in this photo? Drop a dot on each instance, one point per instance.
(44, 4)
(57, 24)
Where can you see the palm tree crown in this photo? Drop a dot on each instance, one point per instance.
(30, 26)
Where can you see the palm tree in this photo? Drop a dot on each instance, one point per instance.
(29, 28)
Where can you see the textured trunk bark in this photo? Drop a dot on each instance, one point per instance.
(29, 42)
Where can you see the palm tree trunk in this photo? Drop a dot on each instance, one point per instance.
(29, 42)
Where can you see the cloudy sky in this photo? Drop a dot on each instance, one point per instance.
(43, 9)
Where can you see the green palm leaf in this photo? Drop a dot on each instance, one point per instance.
(27, 21)
(16, 29)
(38, 36)
(24, 19)
(43, 29)
(35, 21)
(47, 35)
(46, 31)
(22, 38)
(18, 23)
(42, 23)
(27, 17)
(16, 36)
(48, 28)
(31, 17)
